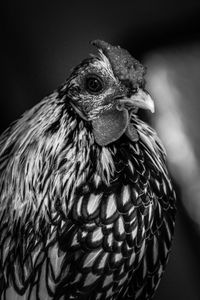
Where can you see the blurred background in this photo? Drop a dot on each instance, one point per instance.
(42, 41)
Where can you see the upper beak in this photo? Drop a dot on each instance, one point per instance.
(141, 99)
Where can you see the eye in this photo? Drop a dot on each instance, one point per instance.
(93, 84)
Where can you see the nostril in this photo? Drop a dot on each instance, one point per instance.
(129, 88)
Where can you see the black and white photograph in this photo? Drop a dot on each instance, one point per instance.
(100, 150)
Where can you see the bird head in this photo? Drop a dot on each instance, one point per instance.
(106, 89)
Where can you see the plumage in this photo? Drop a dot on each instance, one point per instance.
(87, 207)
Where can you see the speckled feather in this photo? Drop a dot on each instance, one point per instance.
(80, 221)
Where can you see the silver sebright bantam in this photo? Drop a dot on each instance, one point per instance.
(87, 207)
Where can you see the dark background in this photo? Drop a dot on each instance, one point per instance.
(42, 41)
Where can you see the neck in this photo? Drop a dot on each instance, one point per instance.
(47, 155)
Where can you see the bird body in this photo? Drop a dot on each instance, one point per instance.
(87, 207)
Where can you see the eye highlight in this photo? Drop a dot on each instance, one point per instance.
(93, 84)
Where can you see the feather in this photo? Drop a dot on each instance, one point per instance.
(79, 220)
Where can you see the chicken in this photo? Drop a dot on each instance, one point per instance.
(87, 207)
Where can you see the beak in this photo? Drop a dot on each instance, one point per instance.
(141, 99)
